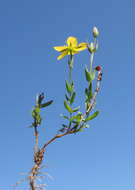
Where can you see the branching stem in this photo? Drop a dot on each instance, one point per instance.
(99, 78)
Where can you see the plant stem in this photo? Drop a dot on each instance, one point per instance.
(70, 64)
(91, 61)
(99, 78)
(53, 139)
(36, 139)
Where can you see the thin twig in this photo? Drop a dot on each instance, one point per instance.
(54, 138)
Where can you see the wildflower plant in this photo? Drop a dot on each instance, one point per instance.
(75, 120)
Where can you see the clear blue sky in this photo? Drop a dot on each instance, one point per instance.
(101, 158)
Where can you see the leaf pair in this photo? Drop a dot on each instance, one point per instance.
(84, 125)
(69, 109)
(36, 116)
(90, 75)
(71, 92)
(95, 114)
(46, 104)
(69, 87)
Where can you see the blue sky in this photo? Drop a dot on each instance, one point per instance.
(102, 157)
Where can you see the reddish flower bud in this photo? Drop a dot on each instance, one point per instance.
(98, 68)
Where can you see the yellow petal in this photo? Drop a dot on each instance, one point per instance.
(64, 53)
(82, 46)
(72, 52)
(60, 48)
(72, 41)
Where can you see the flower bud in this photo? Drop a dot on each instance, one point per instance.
(95, 32)
(98, 68)
(91, 47)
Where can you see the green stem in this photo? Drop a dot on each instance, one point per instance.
(91, 61)
(70, 64)
(92, 55)
(70, 74)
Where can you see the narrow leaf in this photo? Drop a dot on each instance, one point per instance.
(76, 109)
(90, 94)
(68, 108)
(64, 116)
(69, 87)
(92, 75)
(67, 98)
(76, 117)
(86, 92)
(92, 116)
(72, 98)
(46, 104)
(37, 109)
(64, 125)
(87, 75)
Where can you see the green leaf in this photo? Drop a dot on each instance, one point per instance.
(65, 126)
(36, 116)
(35, 112)
(90, 94)
(38, 119)
(76, 109)
(86, 92)
(81, 129)
(87, 75)
(46, 104)
(64, 116)
(72, 98)
(68, 108)
(69, 87)
(76, 117)
(74, 128)
(92, 116)
(90, 87)
(37, 109)
(92, 75)
(67, 98)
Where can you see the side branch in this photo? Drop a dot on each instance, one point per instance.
(53, 139)
(99, 78)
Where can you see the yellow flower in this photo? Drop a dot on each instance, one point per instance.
(71, 48)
